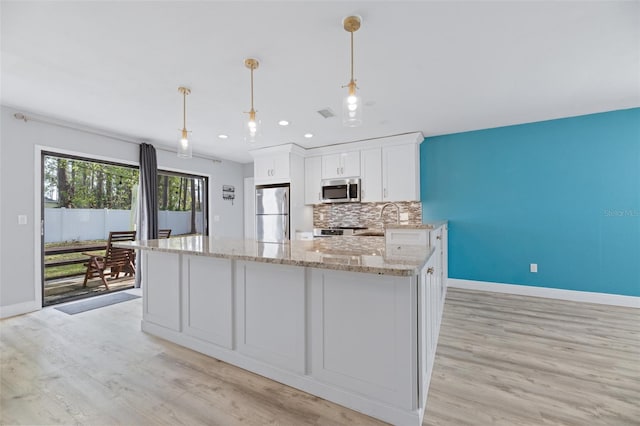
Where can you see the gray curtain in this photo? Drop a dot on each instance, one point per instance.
(147, 223)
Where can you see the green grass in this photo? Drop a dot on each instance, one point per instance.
(67, 270)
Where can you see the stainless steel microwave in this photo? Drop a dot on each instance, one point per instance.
(341, 190)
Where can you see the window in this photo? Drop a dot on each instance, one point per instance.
(182, 203)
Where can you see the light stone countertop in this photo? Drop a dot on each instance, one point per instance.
(429, 225)
(348, 253)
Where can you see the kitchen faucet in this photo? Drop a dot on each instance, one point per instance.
(397, 212)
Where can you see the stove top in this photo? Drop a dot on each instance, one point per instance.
(339, 230)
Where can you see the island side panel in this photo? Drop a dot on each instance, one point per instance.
(271, 314)
(207, 299)
(364, 329)
(161, 289)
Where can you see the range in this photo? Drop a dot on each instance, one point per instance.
(337, 231)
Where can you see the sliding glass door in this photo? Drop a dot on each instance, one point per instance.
(83, 200)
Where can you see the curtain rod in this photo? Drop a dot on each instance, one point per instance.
(25, 118)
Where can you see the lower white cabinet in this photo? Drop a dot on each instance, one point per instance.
(161, 289)
(207, 299)
(362, 330)
(270, 306)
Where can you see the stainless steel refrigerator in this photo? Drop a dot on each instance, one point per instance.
(272, 213)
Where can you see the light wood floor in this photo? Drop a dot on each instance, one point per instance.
(503, 360)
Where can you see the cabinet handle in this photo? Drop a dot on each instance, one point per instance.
(438, 237)
(341, 170)
(337, 170)
(429, 270)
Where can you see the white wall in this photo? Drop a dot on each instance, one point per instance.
(19, 170)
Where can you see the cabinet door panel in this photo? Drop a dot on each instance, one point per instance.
(161, 272)
(362, 333)
(270, 307)
(350, 164)
(312, 178)
(262, 167)
(208, 299)
(371, 174)
(401, 180)
(331, 166)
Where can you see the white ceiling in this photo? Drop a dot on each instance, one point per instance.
(435, 67)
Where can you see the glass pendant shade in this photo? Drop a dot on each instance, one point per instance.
(252, 129)
(184, 144)
(352, 110)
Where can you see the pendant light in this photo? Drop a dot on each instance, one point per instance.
(352, 104)
(252, 125)
(184, 145)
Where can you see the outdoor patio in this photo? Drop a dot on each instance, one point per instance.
(70, 288)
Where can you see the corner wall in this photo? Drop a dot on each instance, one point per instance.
(18, 171)
(564, 194)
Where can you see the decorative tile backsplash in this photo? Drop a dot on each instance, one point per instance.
(364, 214)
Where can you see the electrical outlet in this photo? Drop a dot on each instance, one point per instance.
(533, 267)
(404, 216)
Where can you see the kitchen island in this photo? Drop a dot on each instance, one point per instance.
(337, 317)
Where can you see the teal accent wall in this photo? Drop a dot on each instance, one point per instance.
(564, 194)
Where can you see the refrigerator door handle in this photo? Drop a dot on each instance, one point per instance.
(286, 228)
(285, 202)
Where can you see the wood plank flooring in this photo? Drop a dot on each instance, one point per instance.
(501, 360)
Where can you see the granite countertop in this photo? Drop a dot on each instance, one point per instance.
(350, 253)
(430, 225)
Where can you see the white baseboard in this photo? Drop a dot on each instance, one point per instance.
(18, 309)
(551, 293)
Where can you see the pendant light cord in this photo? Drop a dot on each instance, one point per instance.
(184, 110)
(352, 56)
(251, 88)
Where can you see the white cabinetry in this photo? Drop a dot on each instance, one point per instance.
(312, 178)
(371, 175)
(161, 272)
(362, 328)
(270, 305)
(207, 299)
(401, 173)
(342, 165)
(274, 168)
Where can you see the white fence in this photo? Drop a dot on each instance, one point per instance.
(95, 224)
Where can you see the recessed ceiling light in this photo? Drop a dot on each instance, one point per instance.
(283, 122)
(308, 135)
(222, 136)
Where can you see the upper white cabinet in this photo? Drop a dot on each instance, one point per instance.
(401, 173)
(312, 178)
(371, 175)
(342, 165)
(390, 173)
(272, 168)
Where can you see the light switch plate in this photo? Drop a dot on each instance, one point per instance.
(22, 219)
